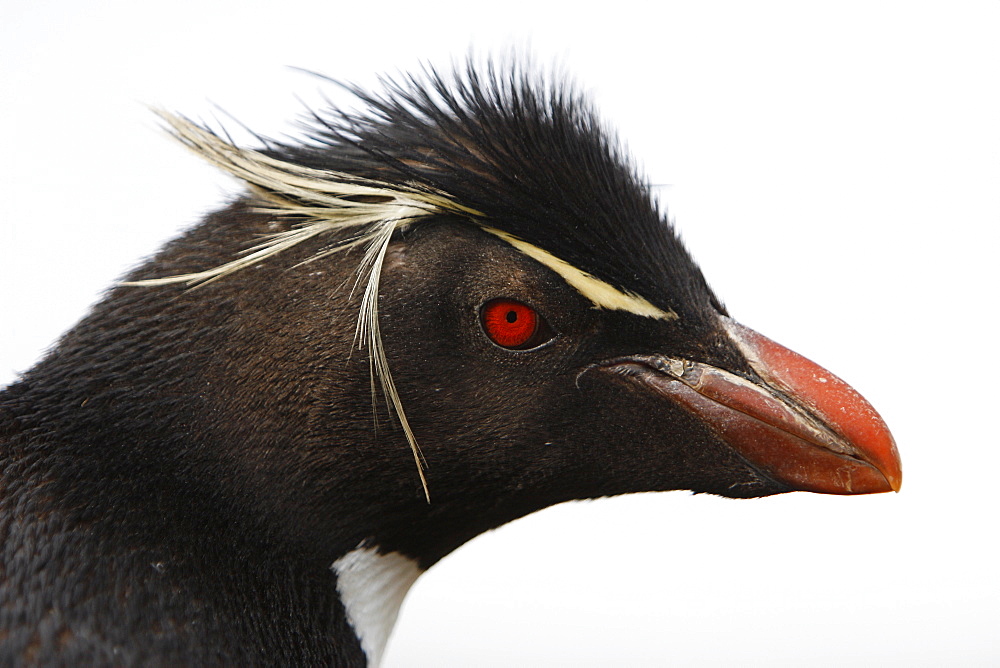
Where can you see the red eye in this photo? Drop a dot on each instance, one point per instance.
(512, 324)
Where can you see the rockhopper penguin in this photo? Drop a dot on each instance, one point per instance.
(437, 314)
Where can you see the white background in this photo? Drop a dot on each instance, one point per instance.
(835, 168)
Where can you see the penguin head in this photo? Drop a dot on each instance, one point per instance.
(462, 304)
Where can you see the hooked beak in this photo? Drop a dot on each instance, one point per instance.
(799, 424)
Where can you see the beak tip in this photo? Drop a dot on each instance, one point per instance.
(886, 459)
(895, 481)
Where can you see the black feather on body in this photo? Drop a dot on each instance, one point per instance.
(182, 469)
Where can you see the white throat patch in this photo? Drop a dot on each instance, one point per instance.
(372, 587)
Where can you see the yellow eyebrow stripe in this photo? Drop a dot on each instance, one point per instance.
(603, 295)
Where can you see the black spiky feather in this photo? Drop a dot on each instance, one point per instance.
(526, 151)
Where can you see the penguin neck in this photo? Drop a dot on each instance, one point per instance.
(176, 540)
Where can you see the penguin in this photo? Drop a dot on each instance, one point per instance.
(454, 306)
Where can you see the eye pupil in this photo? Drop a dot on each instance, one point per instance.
(513, 324)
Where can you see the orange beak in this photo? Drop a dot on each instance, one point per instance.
(797, 423)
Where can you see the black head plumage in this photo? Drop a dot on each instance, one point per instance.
(531, 155)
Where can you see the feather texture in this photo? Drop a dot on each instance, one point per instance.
(364, 212)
